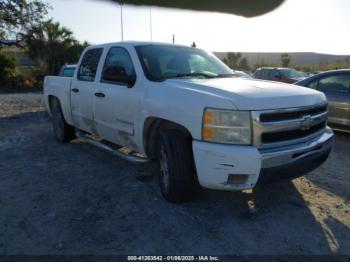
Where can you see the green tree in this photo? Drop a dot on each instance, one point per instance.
(8, 65)
(236, 61)
(52, 45)
(285, 59)
(19, 16)
(243, 64)
(232, 60)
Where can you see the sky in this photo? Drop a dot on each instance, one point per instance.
(321, 26)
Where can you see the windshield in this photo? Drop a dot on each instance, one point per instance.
(292, 73)
(160, 62)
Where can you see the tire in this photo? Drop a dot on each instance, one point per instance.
(64, 133)
(177, 172)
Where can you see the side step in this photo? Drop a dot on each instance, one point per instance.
(119, 151)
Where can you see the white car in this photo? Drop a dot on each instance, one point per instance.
(181, 106)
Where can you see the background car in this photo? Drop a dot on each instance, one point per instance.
(67, 70)
(279, 74)
(336, 86)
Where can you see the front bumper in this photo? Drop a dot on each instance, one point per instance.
(216, 163)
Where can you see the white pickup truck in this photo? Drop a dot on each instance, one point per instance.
(184, 108)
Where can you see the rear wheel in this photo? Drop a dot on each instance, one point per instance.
(177, 172)
(63, 131)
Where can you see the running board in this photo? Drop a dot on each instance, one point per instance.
(122, 152)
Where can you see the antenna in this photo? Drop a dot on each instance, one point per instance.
(150, 23)
(121, 20)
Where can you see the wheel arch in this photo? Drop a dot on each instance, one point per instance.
(50, 100)
(151, 130)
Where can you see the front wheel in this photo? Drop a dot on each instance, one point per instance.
(177, 172)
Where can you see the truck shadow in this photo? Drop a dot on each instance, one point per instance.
(333, 175)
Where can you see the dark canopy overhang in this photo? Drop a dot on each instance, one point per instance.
(246, 8)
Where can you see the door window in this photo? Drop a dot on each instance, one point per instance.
(89, 64)
(118, 67)
(257, 73)
(265, 73)
(313, 84)
(337, 83)
(275, 74)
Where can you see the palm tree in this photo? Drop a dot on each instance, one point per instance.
(285, 59)
(52, 45)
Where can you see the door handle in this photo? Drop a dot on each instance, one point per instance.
(75, 90)
(100, 94)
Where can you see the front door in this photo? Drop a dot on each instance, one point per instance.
(337, 90)
(116, 99)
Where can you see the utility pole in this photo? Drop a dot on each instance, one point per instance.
(121, 20)
(150, 22)
(173, 38)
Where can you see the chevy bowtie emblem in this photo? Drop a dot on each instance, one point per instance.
(306, 123)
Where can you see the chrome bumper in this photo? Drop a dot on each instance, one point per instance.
(297, 159)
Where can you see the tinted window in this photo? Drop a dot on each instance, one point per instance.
(89, 63)
(257, 73)
(118, 64)
(335, 83)
(274, 74)
(265, 73)
(313, 84)
(292, 73)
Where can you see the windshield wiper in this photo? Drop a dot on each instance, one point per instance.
(190, 74)
(225, 75)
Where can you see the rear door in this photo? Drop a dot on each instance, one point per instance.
(115, 100)
(275, 75)
(337, 89)
(265, 74)
(82, 90)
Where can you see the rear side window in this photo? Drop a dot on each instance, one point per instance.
(274, 74)
(265, 73)
(336, 83)
(68, 72)
(89, 63)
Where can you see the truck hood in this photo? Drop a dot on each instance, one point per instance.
(252, 94)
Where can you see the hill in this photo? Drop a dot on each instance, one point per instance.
(302, 58)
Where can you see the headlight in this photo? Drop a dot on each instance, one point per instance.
(226, 126)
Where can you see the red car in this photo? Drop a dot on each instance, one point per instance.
(279, 74)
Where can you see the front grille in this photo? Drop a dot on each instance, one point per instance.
(281, 127)
(290, 135)
(271, 117)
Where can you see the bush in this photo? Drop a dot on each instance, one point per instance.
(28, 78)
(8, 66)
(15, 77)
(304, 68)
(335, 65)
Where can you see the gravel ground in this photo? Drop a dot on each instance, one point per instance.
(75, 199)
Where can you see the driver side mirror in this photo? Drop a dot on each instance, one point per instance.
(117, 74)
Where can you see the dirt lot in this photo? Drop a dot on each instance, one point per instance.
(76, 199)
